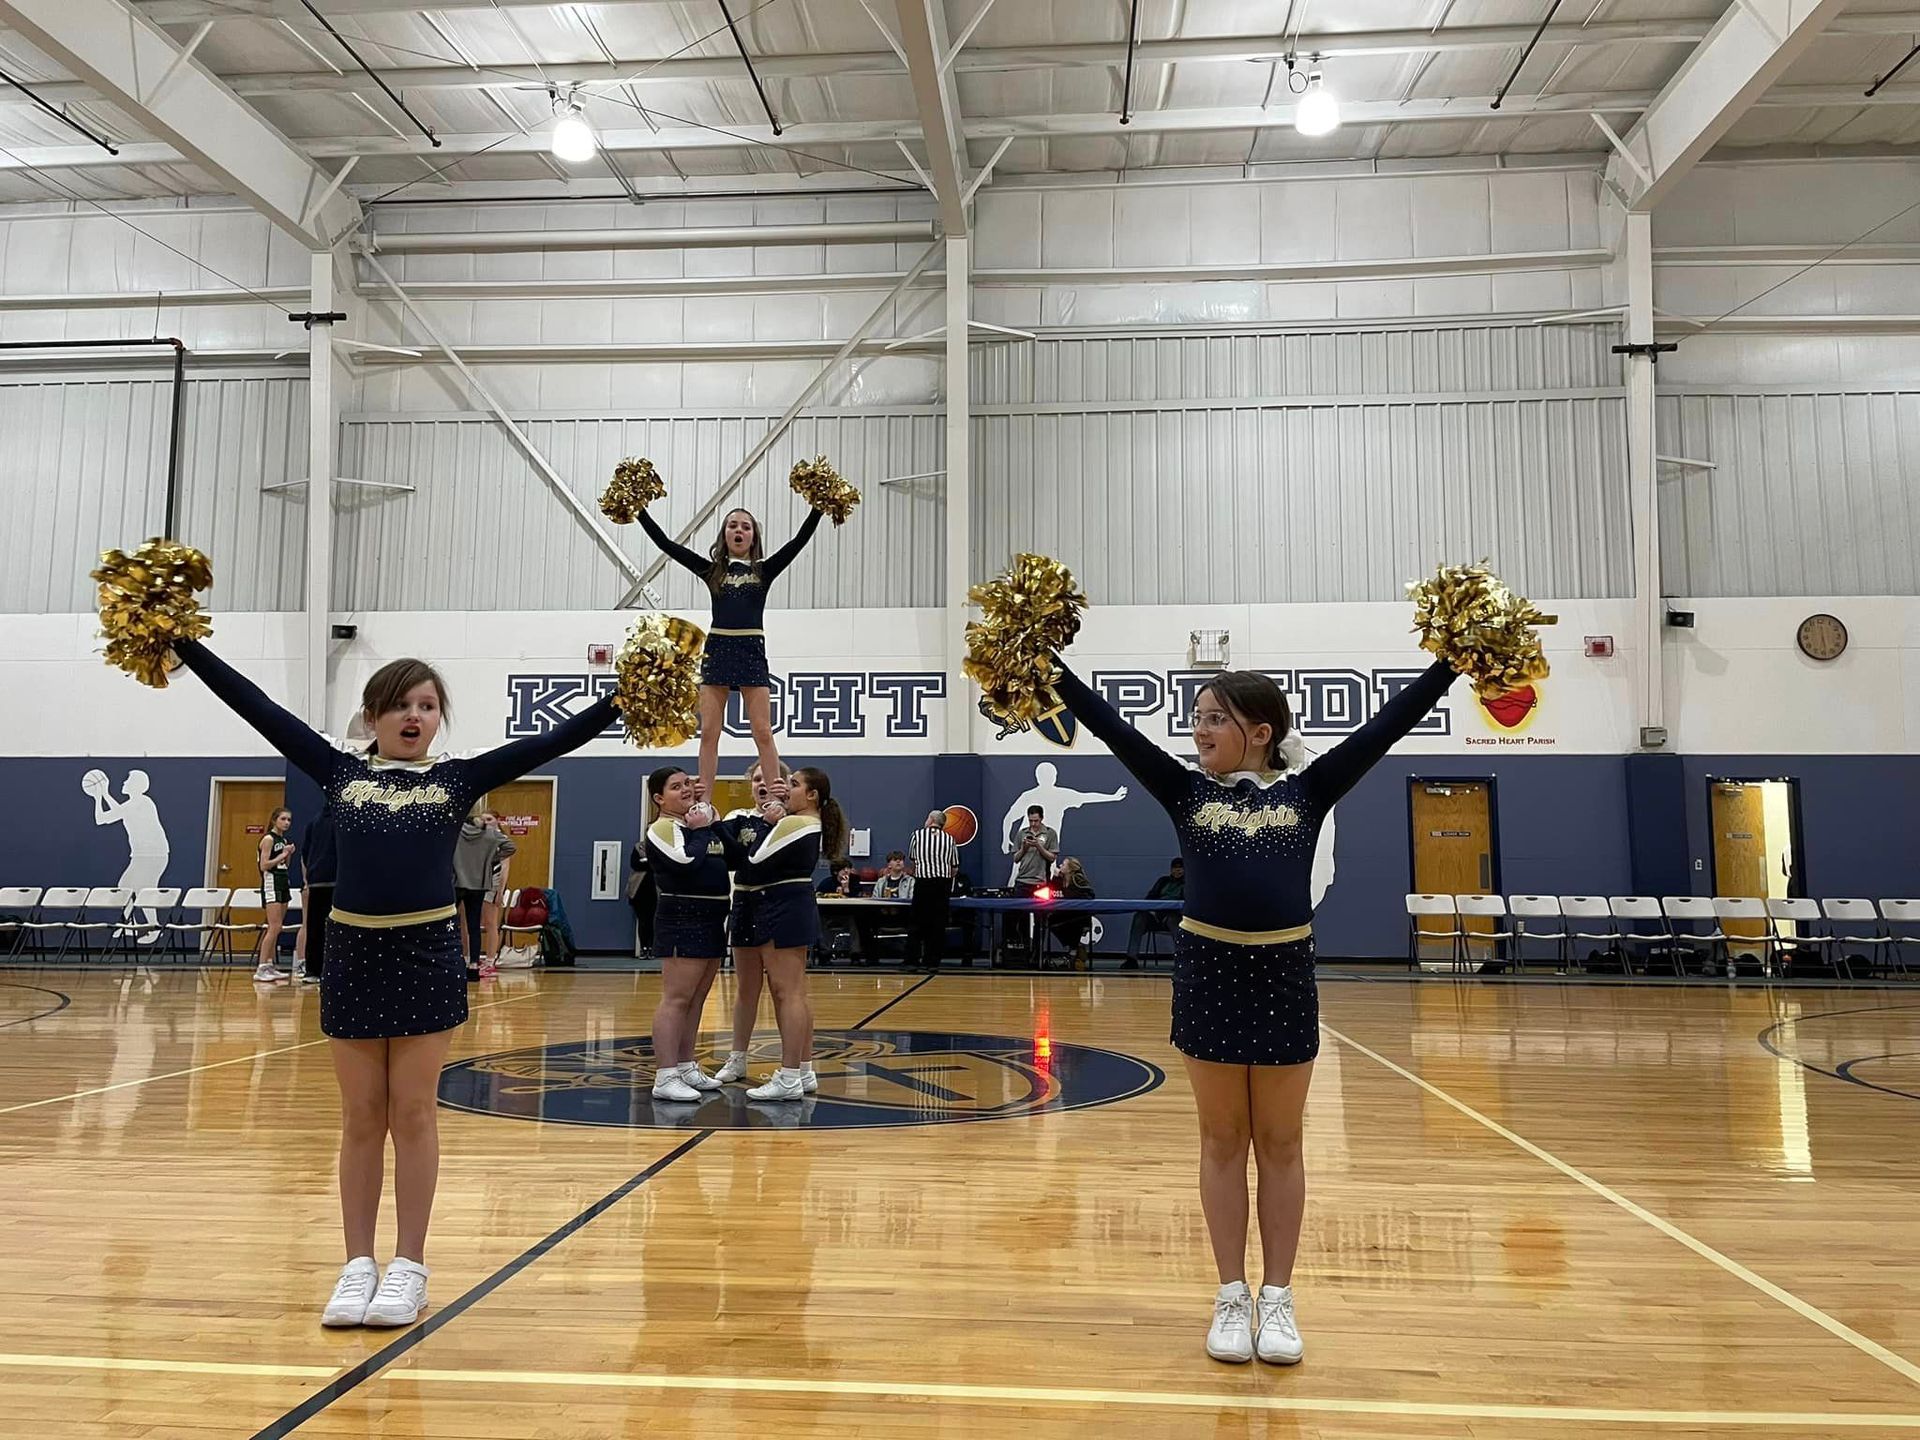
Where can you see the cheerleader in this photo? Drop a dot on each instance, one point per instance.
(1245, 1009)
(394, 987)
(690, 864)
(776, 920)
(734, 571)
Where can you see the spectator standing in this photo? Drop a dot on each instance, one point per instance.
(1034, 850)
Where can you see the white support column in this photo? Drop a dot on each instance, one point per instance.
(323, 428)
(1643, 472)
(959, 507)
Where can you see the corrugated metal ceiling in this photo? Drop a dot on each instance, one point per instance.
(301, 78)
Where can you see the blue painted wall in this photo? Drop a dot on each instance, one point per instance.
(1564, 823)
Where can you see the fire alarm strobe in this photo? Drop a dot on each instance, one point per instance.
(599, 654)
(1599, 647)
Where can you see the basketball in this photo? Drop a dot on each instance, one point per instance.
(94, 782)
(961, 824)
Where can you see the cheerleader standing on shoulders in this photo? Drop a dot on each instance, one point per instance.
(690, 863)
(394, 986)
(776, 920)
(738, 576)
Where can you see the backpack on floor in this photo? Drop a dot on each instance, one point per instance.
(554, 946)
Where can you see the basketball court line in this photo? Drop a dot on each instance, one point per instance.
(1803, 1422)
(217, 1064)
(1895, 1362)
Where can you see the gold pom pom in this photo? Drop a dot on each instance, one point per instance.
(635, 485)
(1032, 609)
(823, 487)
(147, 606)
(657, 681)
(1468, 618)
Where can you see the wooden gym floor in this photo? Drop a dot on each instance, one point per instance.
(1536, 1210)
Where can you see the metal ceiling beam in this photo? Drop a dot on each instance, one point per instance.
(1734, 68)
(121, 57)
(1464, 110)
(923, 39)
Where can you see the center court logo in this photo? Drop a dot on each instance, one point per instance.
(868, 1078)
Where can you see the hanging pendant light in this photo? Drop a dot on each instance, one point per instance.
(573, 138)
(1318, 110)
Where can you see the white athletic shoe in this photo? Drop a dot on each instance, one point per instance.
(734, 1069)
(809, 1081)
(667, 1085)
(352, 1292)
(270, 975)
(402, 1294)
(785, 1085)
(693, 1075)
(1230, 1338)
(1280, 1342)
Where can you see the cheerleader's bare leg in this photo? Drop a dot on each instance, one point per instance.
(713, 719)
(792, 1007)
(1223, 1099)
(413, 1110)
(749, 976)
(361, 1068)
(1279, 1105)
(759, 707)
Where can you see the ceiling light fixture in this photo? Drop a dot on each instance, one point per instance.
(1317, 111)
(573, 137)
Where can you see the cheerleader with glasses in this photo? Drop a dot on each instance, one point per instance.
(1245, 1006)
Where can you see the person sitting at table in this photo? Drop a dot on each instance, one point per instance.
(1070, 882)
(894, 883)
(1170, 886)
(837, 881)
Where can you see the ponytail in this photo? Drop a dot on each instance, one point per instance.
(833, 831)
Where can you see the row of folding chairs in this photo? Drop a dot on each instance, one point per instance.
(1708, 933)
(106, 921)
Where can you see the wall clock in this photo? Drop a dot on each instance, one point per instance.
(1822, 637)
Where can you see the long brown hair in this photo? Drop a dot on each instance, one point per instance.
(1254, 699)
(833, 820)
(387, 687)
(718, 550)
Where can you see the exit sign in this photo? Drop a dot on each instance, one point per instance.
(1599, 647)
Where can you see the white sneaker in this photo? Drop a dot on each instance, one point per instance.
(809, 1081)
(270, 975)
(402, 1294)
(693, 1075)
(734, 1069)
(667, 1085)
(1230, 1337)
(305, 979)
(352, 1292)
(785, 1085)
(1280, 1342)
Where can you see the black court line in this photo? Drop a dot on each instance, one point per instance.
(61, 996)
(341, 1385)
(338, 1387)
(1844, 1071)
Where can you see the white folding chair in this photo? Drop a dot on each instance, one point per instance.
(1903, 926)
(211, 902)
(61, 907)
(1432, 907)
(1481, 907)
(22, 901)
(1853, 923)
(226, 927)
(1684, 915)
(1639, 911)
(1542, 908)
(161, 901)
(1593, 915)
(1757, 944)
(1796, 927)
(103, 911)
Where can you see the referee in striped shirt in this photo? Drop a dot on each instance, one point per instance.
(936, 860)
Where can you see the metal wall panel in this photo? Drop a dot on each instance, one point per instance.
(1306, 467)
(83, 466)
(481, 531)
(1814, 493)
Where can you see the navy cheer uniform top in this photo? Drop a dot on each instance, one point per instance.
(692, 876)
(773, 887)
(395, 826)
(736, 653)
(1243, 963)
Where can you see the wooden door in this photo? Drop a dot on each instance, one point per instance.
(1743, 851)
(526, 809)
(1453, 845)
(244, 808)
